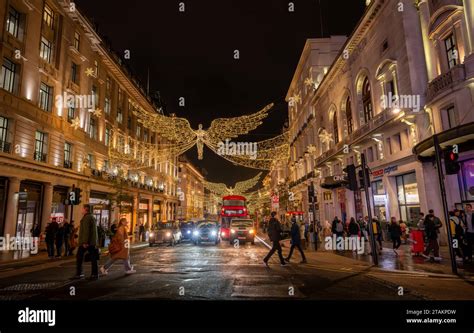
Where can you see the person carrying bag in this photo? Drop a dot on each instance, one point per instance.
(119, 249)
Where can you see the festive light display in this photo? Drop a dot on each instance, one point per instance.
(179, 131)
(240, 188)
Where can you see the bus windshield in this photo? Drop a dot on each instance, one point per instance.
(234, 203)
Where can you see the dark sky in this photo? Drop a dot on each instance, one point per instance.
(190, 54)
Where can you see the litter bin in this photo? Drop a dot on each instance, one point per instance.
(417, 242)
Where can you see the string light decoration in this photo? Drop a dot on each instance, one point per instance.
(179, 131)
(270, 152)
(241, 188)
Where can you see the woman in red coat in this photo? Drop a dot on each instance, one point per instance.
(119, 249)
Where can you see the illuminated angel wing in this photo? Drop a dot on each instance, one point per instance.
(228, 128)
(244, 186)
(219, 189)
(174, 129)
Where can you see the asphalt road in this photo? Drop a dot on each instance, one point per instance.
(204, 272)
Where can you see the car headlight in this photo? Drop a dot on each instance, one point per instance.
(251, 231)
(232, 231)
(213, 233)
(152, 234)
(223, 234)
(196, 233)
(168, 234)
(189, 231)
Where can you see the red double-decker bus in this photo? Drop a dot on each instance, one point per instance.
(233, 206)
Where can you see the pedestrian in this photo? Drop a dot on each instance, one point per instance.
(302, 235)
(395, 231)
(73, 238)
(59, 239)
(432, 229)
(338, 227)
(274, 232)
(354, 232)
(141, 232)
(50, 232)
(67, 237)
(404, 229)
(457, 231)
(437, 220)
(87, 242)
(469, 232)
(119, 249)
(296, 241)
(36, 231)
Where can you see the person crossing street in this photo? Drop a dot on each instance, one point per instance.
(296, 242)
(274, 232)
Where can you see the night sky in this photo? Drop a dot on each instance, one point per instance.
(190, 54)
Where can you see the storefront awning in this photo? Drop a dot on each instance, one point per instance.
(333, 182)
(463, 136)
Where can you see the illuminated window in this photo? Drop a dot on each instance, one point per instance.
(350, 122)
(74, 73)
(40, 146)
(107, 105)
(46, 50)
(71, 113)
(5, 146)
(451, 51)
(367, 101)
(67, 155)
(92, 128)
(107, 136)
(13, 22)
(9, 75)
(46, 97)
(77, 41)
(48, 16)
(408, 199)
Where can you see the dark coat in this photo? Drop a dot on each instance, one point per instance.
(88, 231)
(274, 230)
(295, 234)
(395, 230)
(353, 229)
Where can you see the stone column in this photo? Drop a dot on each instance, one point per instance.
(430, 54)
(469, 26)
(47, 203)
(12, 206)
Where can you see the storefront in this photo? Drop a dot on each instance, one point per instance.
(408, 198)
(29, 207)
(466, 181)
(380, 200)
(58, 208)
(100, 208)
(143, 209)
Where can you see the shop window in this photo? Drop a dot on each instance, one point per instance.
(380, 200)
(408, 198)
(467, 168)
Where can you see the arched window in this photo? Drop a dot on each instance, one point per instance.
(350, 122)
(335, 128)
(367, 101)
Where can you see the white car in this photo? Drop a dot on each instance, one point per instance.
(243, 230)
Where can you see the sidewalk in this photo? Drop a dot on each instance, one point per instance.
(388, 261)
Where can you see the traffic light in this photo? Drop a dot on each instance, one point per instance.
(361, 177)
(78, 196)
(451, 163)
(351, 177)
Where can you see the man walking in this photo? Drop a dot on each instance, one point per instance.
(274, 232)
(87, 242)
(296, 242)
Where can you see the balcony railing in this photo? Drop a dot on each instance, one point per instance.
(40, 157)
(5, 147)
(446, 81)
(67, 164)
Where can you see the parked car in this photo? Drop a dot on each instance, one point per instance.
(207, 231)
(243, 230)
(165, 233)
(187, 228)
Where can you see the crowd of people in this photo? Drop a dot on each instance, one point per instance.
(59, 236)
(396, 231)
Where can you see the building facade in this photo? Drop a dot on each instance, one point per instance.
(65, 102)
(191, 191)
(384, 94)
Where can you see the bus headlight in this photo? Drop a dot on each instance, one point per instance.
(251, 231)
(232, 231)
(168, 234)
